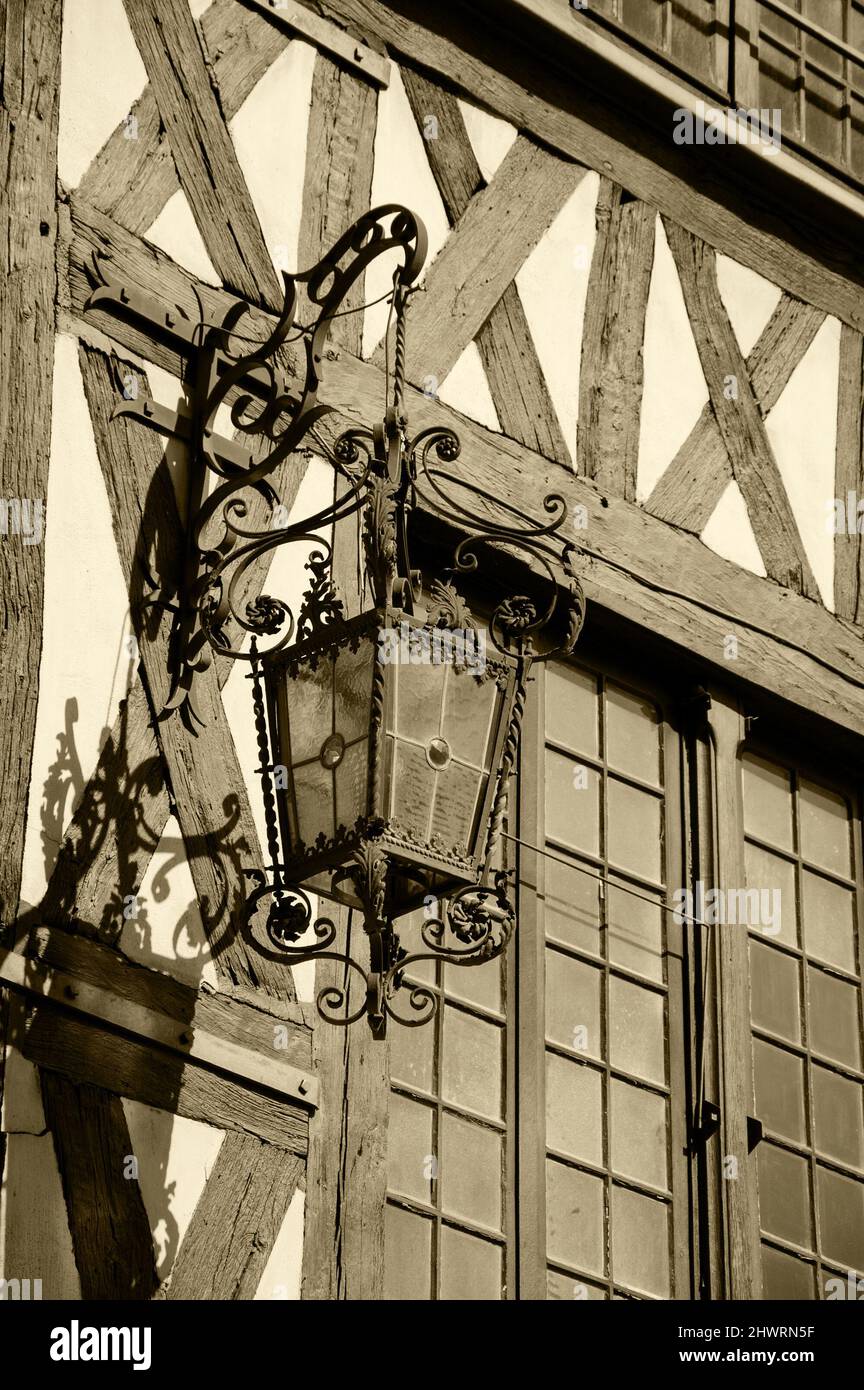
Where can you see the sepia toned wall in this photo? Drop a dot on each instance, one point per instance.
(88, 661)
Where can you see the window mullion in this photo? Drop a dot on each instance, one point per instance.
(529, 1017)
(739, 1193)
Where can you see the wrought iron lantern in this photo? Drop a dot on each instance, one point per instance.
(387, 739)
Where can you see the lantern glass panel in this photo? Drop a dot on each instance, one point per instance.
(311, 709)
(442, 729)
(323, 703)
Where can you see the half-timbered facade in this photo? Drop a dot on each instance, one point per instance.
(633, 299)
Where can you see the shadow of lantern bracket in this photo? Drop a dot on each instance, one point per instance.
(386, 740)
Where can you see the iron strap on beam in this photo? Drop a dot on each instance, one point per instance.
(356, 54)
(149, 1025)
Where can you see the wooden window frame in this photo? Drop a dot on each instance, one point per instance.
(530, 991)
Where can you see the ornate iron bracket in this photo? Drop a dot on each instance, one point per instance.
(275, 410)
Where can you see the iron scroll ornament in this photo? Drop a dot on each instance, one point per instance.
(275, 414)
(384, 475)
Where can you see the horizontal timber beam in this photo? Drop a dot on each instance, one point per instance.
(353, 53)
(630, 563)
(187, 1039)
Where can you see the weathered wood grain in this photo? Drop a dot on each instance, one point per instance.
(213, 810)
(235, 1222)
(250, 1023)
(30, 50)
(610, 377)
(340, 150)
(494, 237)
(632, 564)
(187, 99)
(482, 61)
(690, 488)
(849, 477)
(732, 1018)
(102, 1057)
(133, 175)
(352, 51)
(342, 1176)
(107, 1218)
(516, 382)
(737, 414)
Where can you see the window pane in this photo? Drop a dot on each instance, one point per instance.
(784, 1195)
(779, 1082)
(572, 906)
(639, 1135)
(407, 1255)
(471, 1173)
(574, 1123)
(476, 985)
(636, 1042)
(635, 929)
(640, 1242)
(785, 1277)
(409, 1148)
(841, 1218)
(632, 735)
(774, 996)
(353, 690)
(767, 801)
(468, 708)
(572, 803)
(769, 872)
(829, 923)
(472, 1063)
(411, 1056)
(834, 1027)
(561, 1286)
(310, 709)
(824, 828)
(571, 709)
(412, 789)
(633, 829)
(837, 1117)
(352, 776)
(573, 1003)
(470, 1267)
(419, 698)
(574, 1217)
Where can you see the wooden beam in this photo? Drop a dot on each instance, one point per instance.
(508, 78)
(737, 414)
(107, 1219)
(732, 1013)
(250, 1024)
(352, 53)
(610, 377)
(236, 1221)
(690, 488)
(516, 381)
(265, 1067)
(190, 108)
(631, 564)
(337, 189)
(494, 237)
(344, 1170)
(92, 1054)
(29, 99)
(849, 478)
(214, 814)
(133, 175)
